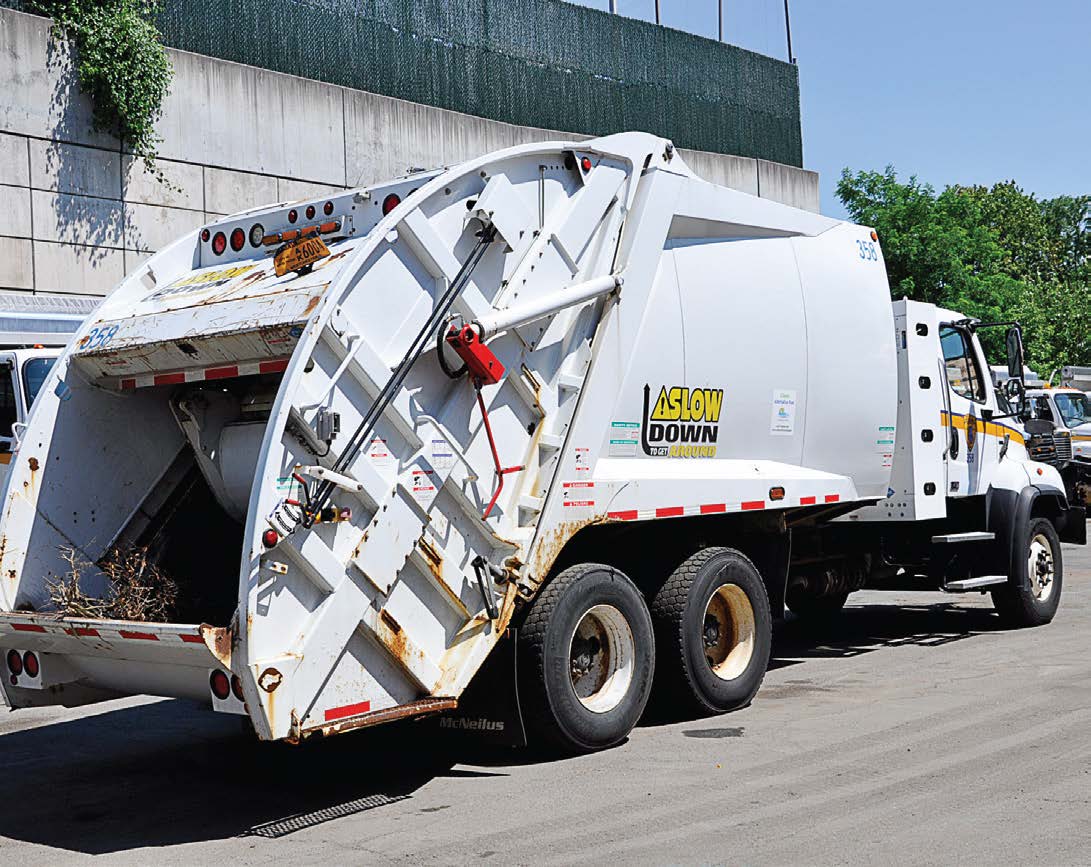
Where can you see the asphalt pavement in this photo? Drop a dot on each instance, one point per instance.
(915, 732)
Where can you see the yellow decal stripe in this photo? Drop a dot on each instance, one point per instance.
(985, 427)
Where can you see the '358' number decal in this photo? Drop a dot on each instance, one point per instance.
(868, 250)
(98, 337)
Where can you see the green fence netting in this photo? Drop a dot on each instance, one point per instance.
(543, 63)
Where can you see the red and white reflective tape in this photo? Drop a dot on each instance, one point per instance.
(335, 713)
(202, 374)
(105, 633)
(713, 508)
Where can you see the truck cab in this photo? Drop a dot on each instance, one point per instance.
(1068, 447)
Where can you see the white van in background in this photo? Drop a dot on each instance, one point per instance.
(33, 331)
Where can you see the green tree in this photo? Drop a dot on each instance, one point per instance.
(995, 253)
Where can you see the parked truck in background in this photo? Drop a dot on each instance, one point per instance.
(1068, 445)
(33, 330)
(568, 391)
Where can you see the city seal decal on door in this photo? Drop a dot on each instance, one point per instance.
(682, 423)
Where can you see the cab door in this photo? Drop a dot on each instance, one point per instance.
(967, 443)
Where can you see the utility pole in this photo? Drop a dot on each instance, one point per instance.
(721, 11)
(656, 11)
(788, 30)
(613, 6)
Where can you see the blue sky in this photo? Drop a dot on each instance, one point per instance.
(962, 91)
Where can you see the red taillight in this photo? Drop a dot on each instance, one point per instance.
(586, 163)
(293, 215)
(390, 203)
(236, 687)
(310, 212)
(270, 538)
(205, 234)
(30, 664)
(238, 239)
(220, 685)
(15, 662)
(327, 208)
(219, 243)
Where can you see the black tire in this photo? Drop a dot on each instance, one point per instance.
(685, 677)
(553, 712)
(816, 609)
(1017, 602)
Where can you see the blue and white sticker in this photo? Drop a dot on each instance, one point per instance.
(624, 439)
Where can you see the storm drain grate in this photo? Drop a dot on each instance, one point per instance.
(291, 824)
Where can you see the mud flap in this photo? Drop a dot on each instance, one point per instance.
(488, 710)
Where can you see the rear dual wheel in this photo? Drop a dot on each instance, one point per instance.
(589, 648)
(713, 632)
(587, 657)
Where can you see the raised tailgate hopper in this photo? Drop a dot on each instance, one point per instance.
(385, 614)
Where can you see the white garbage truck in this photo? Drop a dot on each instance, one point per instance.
(565, 395)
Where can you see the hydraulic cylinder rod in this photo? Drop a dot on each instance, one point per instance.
(538, 308)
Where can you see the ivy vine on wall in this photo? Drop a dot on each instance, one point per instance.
(120, 64)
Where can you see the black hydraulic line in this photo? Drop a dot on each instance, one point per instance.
(441, 339)
(386, 395)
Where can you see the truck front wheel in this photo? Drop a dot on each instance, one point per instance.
(1033, 592)
(713, 633)
(587, 657)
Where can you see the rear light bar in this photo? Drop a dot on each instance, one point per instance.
(257, 237)
(292, 234)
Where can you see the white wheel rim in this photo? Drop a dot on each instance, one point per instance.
(728, 631)
(1040, 567)
(601, 657)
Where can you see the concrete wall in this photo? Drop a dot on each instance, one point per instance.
(76, 213)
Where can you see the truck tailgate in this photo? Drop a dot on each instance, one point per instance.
(213, 316)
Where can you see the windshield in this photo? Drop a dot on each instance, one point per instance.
(1075, 409)
(34, 373)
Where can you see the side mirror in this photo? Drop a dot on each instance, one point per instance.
(1037, 426)
(1014, 342)
(1016, 395)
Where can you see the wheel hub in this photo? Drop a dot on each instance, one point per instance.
(584, 651)
(712, 631)
(602, 658)
(1040, 567)
(729, 631)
